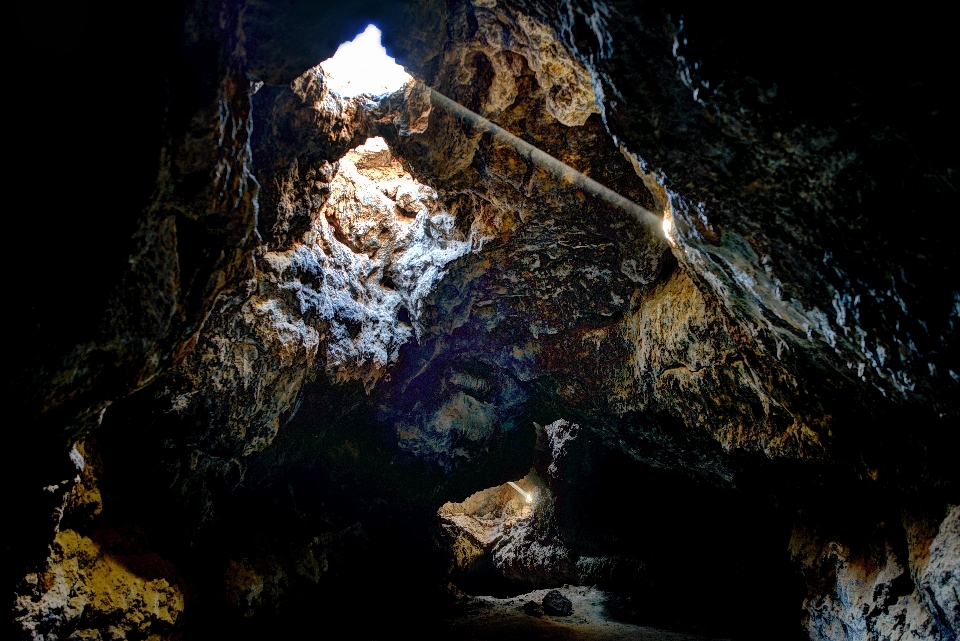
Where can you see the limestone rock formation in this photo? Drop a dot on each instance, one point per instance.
(84, 592)
(874, 592)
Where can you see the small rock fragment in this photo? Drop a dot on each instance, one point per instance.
(408, 199)
(556, 604)
(373, 154)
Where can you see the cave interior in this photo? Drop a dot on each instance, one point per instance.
(644, 309)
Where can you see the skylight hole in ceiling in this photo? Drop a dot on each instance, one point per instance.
(362, 66)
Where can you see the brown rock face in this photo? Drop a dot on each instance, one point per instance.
(96, 593)
(270, 330)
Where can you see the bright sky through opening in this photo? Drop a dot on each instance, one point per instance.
(363, 66)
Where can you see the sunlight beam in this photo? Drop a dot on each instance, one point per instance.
(525, 495)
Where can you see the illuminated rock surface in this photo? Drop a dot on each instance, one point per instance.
(268, 331)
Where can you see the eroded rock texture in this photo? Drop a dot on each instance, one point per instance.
(84, 593)
(289, 326)
(508, 535)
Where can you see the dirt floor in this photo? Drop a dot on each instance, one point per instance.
(486, 618)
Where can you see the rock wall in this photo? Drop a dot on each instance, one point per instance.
(98, 581)
(880, 586)
(85, 593)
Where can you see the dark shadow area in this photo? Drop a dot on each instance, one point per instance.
(685, 555)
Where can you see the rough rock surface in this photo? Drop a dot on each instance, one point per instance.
(85, 593)
(340, 301)
(876, 593)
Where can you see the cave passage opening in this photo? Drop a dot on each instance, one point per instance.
(488, 537)
(362, 66)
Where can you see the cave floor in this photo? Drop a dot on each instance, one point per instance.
(484, 617)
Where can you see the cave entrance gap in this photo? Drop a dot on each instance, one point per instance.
(362, 66)
(487, 537)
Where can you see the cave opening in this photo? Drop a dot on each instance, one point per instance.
(362, 66)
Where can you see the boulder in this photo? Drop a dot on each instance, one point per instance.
(555, 604)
